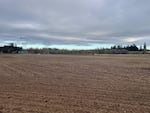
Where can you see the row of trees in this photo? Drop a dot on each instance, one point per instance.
(58, 51)
(117, 49)
(132, 47)
(113, 50)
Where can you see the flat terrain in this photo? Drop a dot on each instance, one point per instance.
(74, 84)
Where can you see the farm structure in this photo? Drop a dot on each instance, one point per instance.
(10, 49)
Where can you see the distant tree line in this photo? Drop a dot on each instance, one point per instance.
(117, 49)
(129, 47)
(132, 47)
(57, 51)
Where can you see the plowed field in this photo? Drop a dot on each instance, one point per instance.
(74, 84)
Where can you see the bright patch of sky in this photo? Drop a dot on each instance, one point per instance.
(71, 47)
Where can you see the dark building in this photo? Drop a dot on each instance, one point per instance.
(10, 49)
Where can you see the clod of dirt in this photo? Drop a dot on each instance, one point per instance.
(8, 97)
(46, 101)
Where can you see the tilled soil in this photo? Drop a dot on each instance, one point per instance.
(74, 84)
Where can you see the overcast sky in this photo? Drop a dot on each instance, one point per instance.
(74, 22)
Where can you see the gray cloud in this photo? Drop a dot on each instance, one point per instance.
(80, 22)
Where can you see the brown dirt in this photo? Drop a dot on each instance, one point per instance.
(74, 84)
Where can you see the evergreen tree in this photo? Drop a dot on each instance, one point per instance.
(145, 48)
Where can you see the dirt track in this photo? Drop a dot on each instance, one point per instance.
(74, 84)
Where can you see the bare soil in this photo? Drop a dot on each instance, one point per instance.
(74, 84)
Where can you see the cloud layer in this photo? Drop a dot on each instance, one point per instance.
(78, 22)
